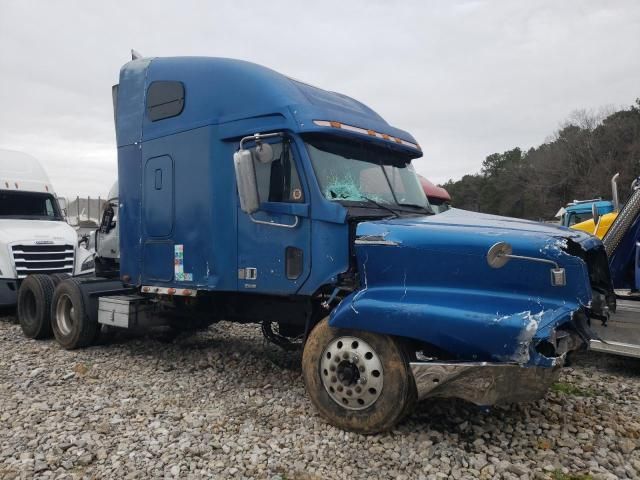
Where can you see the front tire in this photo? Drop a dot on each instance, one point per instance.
(357, 380)
(72, 326)
(34, 306)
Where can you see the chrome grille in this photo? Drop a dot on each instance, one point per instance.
(30, 259)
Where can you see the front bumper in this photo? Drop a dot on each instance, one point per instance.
(483, 383)
(8, 292)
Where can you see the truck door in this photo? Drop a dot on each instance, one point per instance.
(274, 243)
(158, 216)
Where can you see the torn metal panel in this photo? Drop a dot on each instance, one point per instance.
(482, 383)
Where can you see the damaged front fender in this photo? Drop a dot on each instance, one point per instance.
(468, 325)
(429, 280)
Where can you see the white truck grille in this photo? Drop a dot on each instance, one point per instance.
(30, 259)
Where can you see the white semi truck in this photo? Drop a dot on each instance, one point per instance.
(34, 236)
(105, 240)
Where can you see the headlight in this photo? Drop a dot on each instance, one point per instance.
(88, 264)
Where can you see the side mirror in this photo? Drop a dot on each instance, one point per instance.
(62, 203)
(499, 254)
(246, 181)
(596, 215)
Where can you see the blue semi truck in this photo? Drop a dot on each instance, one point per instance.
(248, 196)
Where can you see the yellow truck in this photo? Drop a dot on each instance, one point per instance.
(599, 224)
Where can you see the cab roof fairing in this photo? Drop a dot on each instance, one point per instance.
(228, 90)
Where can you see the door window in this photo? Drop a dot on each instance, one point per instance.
(278, 181)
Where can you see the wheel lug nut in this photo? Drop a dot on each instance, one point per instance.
(345, 355)
(355, 359)
(362, 369)
(340, 388)
(362, 380)
(358, 389)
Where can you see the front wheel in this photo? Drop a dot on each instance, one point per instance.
(357, 380)
(34, 306)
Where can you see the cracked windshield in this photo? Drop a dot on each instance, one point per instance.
(359, 172)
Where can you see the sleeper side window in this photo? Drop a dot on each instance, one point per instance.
(165, 99)
(278, 181)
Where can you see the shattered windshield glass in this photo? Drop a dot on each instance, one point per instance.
(361, 172)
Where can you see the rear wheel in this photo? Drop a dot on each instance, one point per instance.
(357, 380)
(34, 306)
(72, 326)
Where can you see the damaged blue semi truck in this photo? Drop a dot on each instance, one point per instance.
(245, 195)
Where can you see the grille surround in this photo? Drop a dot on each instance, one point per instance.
(46, 259)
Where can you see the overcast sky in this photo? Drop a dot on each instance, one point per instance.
(466, 78)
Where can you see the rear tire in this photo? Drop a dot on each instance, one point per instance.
(72, 326)
(369, 389)
(34, 306)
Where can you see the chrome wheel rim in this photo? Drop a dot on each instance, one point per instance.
(351, 372)
(65, 315)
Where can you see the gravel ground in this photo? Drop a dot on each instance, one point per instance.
(224, 404)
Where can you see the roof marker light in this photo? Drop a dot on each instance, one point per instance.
(364, 131)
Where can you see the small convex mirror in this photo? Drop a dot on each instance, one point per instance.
(498, 254)
(246, 181)
(264, 152)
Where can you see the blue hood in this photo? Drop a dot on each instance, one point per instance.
(449, 250)
(432, 277)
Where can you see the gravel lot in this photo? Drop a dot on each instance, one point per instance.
(224, 404)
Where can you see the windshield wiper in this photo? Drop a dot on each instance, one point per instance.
(382, 206)
(415, 205)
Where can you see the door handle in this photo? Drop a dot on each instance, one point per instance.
(275, 224)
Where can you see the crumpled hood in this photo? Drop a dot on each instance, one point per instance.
(12, 231)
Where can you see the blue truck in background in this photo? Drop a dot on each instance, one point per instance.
(580, 210)
(248, 196)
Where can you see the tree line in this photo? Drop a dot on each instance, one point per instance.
(575, 163)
